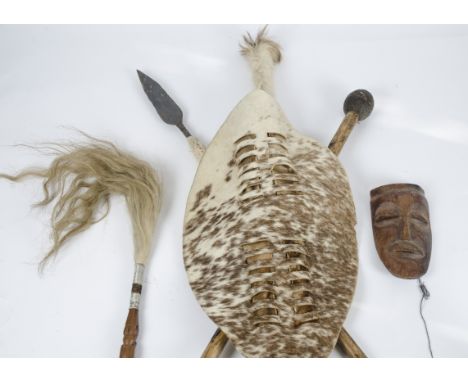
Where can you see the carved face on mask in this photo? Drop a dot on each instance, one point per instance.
(402, 231)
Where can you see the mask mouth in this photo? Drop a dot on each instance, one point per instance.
(407, 249)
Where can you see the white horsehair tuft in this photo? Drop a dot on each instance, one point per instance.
(262, 54)
(82, 178)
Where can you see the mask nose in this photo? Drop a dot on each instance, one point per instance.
(406, 229)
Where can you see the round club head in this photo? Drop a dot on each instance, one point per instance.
(361, 102)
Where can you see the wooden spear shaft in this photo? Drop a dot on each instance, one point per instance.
(216, 345)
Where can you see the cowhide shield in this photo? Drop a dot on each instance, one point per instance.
(269, 239)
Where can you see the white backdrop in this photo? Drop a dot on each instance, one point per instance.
(53, 77)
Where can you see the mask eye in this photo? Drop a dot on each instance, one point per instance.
(387, 214)
(420, 218)
(386, 218)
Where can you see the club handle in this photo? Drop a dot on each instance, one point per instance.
(347, 344)
(127, 350)
(341, 136)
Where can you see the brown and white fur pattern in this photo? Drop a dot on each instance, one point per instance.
(269, 240)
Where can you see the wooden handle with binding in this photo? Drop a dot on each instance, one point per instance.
(127, 350)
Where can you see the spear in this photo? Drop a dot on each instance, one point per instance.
(169, 111)
(358, 106)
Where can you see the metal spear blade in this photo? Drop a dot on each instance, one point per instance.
(167, 109)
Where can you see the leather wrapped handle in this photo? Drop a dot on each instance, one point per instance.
(127, 350)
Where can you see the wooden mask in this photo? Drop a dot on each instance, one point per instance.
(402, 230)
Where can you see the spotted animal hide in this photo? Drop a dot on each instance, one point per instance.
(269, 239)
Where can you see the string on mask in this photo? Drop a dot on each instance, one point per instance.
(425, 296)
